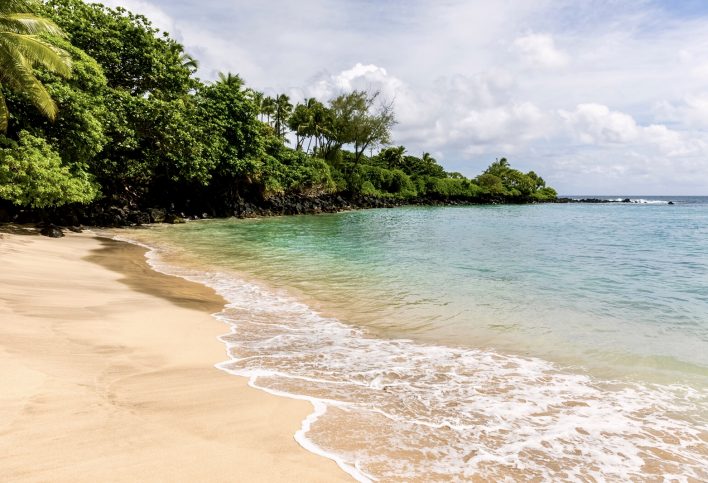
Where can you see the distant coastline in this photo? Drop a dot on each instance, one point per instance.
(107, 215)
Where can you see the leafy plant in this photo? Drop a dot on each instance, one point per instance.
(32, 174)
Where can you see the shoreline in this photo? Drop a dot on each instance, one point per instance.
(563, 391)
(90, 391)
(124, 216)
(112, 216)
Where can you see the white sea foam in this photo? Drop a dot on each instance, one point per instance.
(642, 201)
(396, 409)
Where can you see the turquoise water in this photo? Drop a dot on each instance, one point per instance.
(565, 328)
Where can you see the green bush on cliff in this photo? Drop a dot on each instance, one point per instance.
(374, 180)
(545, 194)
(294, 171)
(32, 174)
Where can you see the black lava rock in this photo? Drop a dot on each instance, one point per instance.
(52, 231)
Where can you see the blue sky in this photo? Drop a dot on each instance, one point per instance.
(604, 96)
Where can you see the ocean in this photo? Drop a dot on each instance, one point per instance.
(549, 341)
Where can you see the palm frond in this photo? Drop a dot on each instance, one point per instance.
(189, 62)
(17, 74)
(13, 6)
(21, 49)
(37, 52)
(27, 23)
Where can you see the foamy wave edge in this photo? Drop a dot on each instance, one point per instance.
(320, 407)
(641, 201)
(212, 280)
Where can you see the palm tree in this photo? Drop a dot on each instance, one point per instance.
(229, 79)
(189, 62)
(393, 157)
(299, 122)
(317, 125)
(22, 49)
(268, 108)
(283, 109)
(257, 99)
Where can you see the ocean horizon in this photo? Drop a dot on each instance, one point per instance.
(527, 341)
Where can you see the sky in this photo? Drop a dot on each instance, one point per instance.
(597, 96)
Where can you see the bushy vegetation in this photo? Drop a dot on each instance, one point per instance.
(32, 174)
(111, 110)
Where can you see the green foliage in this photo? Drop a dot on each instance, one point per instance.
(78, 131)
(491, 184)
(133, 55)
(32, 174)
(281, 114)
(295, 171)
(383, 181)
(21, 49)
(312, 123)
(135, 121)
(151, 141)
(501, 180)
(235, 137)
(423, 166)
(452, 188)
(355, 120)
(392, 157)
(367, 188)
(545, 194)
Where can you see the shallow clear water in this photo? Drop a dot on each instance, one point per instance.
(550, 341)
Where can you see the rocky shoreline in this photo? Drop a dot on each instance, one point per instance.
(51, 222)
(598, 200)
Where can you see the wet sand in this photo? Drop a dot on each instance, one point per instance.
(106, 372)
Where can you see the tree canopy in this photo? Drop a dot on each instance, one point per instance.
(97, 105)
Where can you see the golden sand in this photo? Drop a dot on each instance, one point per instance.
(106, 373)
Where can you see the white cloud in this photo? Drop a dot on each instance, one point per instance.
(539, 50)
(158, 16)
(590, 92)
(597, 124)
(369, 77)
(692, 111)
(469, 115)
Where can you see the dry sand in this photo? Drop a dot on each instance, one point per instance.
(106, 373)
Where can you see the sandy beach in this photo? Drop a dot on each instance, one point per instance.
(106, 373)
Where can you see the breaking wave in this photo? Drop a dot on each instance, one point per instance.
(396, 409)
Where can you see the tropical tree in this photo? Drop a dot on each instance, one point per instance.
(257, 99)
(231, 80)
(501, 178)
(135, 55)
(233, 133)
(358, 123)
(426, 165)
(189, 62)
(393, 156)
(300, 122)
(283, 109)
(268, 108)
(21, 49)
(320, 123)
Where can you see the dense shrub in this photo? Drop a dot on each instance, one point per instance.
(32, 174)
